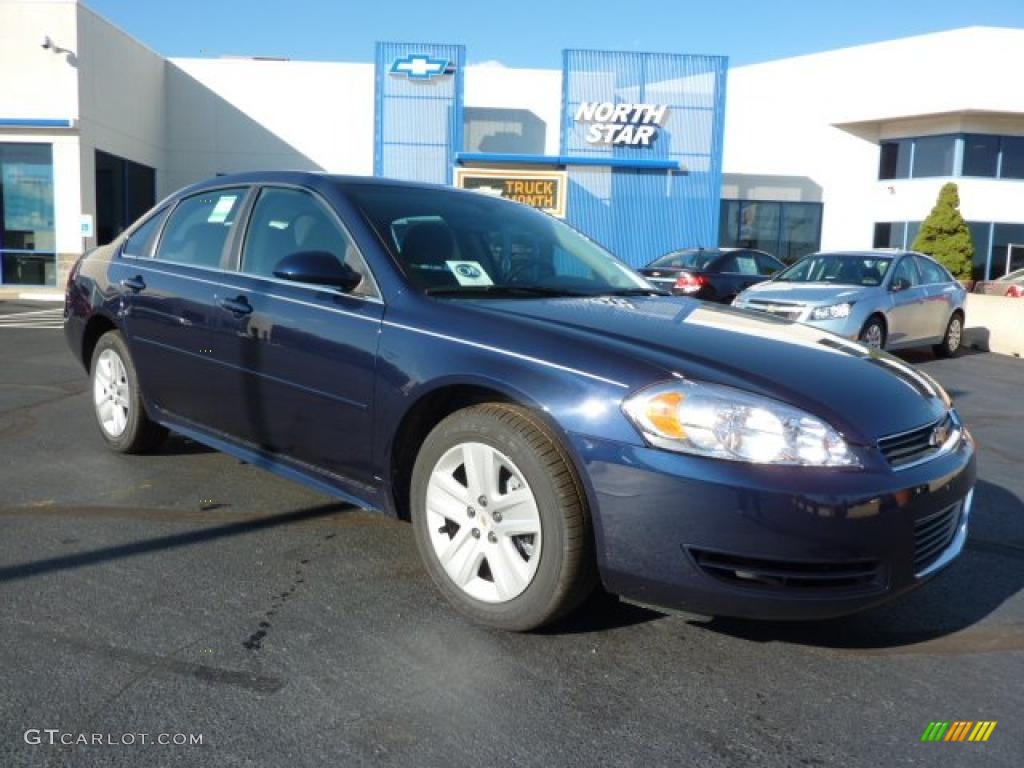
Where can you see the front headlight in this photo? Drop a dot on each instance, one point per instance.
(726, 423)
(834, 312)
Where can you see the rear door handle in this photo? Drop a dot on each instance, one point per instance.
(236, 306)
(134, 284)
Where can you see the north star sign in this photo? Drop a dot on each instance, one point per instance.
(634, 125)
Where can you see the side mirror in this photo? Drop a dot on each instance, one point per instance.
(318, 268)
(899, 284)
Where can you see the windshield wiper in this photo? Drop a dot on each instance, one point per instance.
(502, 291)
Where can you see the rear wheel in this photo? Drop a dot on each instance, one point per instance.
(953, 339)
(117, 401)
(873, 333)
(500, 519)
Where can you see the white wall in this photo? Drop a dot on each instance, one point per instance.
(536, 90)
(121, 93)
(818, 119)
(37, 84)
(228, 115)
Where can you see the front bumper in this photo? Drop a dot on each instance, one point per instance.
(732, 539)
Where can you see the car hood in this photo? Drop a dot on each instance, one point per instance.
(865, 393)
(805, 293)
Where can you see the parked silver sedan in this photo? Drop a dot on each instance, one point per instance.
(886, 299)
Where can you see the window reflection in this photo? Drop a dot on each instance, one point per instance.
(786, 230)
(27, 233)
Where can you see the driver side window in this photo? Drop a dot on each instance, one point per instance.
(905, 272)
(286, 221)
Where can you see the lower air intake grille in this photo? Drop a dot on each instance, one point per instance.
(933, 533)
(756, 572)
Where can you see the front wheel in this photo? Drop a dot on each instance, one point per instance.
(873, 333)
(500, 518)
(953, 339)
(117, 401)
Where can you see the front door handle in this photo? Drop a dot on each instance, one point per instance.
(134, 284)
(237, 306)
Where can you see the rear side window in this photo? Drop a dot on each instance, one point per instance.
(931, 272)
(767, 265)
(140, 242)
(738, 264)
(199, 226)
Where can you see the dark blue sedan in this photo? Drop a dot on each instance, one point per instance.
(545, 417)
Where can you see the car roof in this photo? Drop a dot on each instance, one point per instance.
(869, 253)
(309, 178)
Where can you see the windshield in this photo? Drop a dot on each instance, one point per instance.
(459, 243)
(684, 260)
(838, 269)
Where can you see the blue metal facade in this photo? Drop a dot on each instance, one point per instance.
(419, 119)
(639, 213)
(638, 201)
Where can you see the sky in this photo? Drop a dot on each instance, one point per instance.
(533, 33)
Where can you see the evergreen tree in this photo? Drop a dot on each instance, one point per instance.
(945, 236)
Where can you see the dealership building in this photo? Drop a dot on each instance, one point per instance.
(645, 152)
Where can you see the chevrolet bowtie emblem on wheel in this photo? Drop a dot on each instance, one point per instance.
(419, 66)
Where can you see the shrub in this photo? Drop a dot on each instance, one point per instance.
(945, 236)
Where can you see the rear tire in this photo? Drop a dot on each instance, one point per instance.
(873, 333)
(500, 518)
(117, 400)
(953, 339)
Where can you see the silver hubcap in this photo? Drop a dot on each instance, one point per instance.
(955, 333)
(110, 392)
(873, 336)
(483, 522)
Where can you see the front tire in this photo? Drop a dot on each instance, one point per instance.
(117, 401)
(873, 333)
(953, 339)
(500, 518)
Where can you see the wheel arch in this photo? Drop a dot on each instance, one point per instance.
(97, 325)
(433, 406)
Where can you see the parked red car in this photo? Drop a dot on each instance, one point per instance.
(1011, 284)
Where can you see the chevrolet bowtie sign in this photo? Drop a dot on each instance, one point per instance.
(419, 66)
(632, 125)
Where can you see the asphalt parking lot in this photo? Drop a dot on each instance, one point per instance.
(187, 593)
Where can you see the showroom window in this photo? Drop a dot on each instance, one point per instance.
(124, 191)
(27, 233)
(895, 159)
(998, 247)
(971, 154)
(785, 230)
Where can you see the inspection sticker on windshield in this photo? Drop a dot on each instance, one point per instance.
(469, 273)
(221, 210)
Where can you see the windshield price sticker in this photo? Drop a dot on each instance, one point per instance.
(469, 273)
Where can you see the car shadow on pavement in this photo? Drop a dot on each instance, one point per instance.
(939, 617)
(173, 541)
(600, 612)
(179, 445)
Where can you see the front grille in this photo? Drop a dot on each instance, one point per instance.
(933, 534)
(787, 311)
(758, 572)
(918, 444)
